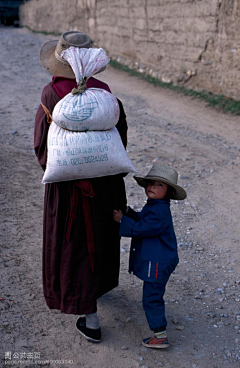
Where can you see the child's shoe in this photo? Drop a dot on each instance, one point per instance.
(158, 341)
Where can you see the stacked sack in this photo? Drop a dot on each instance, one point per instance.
(83, 141)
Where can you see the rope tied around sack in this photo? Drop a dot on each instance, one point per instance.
(81, 87)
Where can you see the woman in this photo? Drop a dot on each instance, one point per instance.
(77, 214)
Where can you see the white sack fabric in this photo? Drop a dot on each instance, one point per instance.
(94, 109)
(83, 141)
(80, 155)
(85, 62)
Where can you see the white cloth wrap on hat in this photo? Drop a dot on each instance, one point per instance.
(83, 155)
(95, 108)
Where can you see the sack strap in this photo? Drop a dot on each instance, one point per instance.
(47, 112)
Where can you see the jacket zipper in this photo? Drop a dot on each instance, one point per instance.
(149, 268)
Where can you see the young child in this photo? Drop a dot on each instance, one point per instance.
(153, 254)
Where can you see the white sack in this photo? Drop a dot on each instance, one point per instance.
(79, 155)
(85, 62)
(94, 109)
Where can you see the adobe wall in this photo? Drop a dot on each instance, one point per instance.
(191, 42)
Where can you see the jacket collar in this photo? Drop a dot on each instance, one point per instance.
(151, 201)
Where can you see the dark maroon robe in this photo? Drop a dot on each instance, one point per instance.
(69, 283)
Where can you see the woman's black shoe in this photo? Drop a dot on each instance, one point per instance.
(88, 333)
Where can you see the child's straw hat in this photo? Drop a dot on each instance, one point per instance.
(165, 174)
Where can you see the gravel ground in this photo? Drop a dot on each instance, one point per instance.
(203, 294)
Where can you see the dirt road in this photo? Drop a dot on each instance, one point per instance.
(203, 294)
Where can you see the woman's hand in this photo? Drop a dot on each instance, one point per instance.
(117, 215)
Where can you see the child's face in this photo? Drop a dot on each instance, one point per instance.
(156, 189)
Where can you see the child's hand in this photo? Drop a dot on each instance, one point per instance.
(117, 215)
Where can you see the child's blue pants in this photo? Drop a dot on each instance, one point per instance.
(153, 304)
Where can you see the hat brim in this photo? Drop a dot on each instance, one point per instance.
(51, 63)
(179, 194)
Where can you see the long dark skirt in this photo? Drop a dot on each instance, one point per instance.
(68, 281)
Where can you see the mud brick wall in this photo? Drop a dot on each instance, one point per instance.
(195, 43)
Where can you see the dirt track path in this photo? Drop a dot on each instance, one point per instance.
(203, 295)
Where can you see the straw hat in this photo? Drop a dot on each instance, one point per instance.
(165, 174)
(51, 51)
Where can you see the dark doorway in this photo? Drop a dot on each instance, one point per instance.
(9, 12)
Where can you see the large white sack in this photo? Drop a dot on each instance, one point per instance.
(94, 109)
(82, 155)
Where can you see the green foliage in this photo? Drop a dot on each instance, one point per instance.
(219, 102)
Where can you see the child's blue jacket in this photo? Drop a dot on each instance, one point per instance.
(153, 254)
